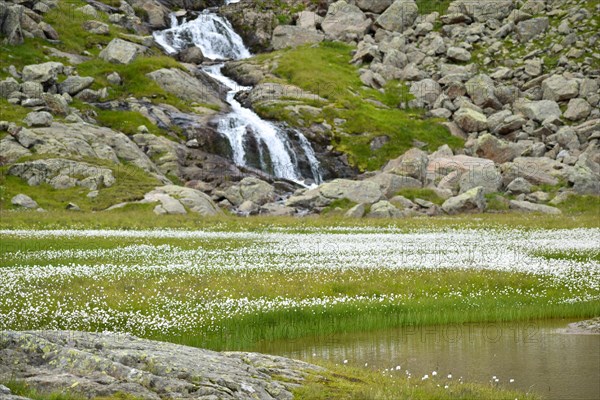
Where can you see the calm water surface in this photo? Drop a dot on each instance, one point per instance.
(536, 355)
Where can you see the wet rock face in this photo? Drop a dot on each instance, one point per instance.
(95, 365)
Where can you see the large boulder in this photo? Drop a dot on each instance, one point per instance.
(355, 191)
(519, 186)
(399, 16)
(186, 86)
(251, 189)
(43, 73)
(481, 90)
(384, 209)
(38, 118)
(75, 84)
(24, 201)
(558, 88)
(193, 199)
(500, 151)
(470, 120)
(374, 6)
(294, 36)
(578, 109)
(120, 51)
(531, 28)
(113, 365)
(526, 206)
(472, 201)
(345, 22)
(413, 164)
(10, 23)
(56, 104)
(156, 14)
(191, 55)
(482, 10)
(8, 86)
(426, 90)
(390, 184)
(486, 178)
(538, 110)
(504, 122)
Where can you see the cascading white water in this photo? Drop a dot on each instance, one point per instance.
(217, 39)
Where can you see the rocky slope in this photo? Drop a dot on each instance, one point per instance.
(104, 365)
(516, 82)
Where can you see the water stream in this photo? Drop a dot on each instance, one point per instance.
(534, 355)
(254, 142)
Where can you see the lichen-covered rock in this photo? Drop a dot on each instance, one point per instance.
(538, 110)
(75, 84)
(470, 201)
(46, 72)
(413, 164)
(186, 86)
(345, 22)
(294, 36)
(482, 10)
(558, 88)
(120, 51)
(63, 174)
(24, 201)
(193, 199)
(527, 30)
(526, 206)
(384, 209)
(38, 119)
(399, 16)
(105, 364)
(470, 120)
(251, 189)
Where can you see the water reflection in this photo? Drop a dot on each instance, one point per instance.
(534, 354)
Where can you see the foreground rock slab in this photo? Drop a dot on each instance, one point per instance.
(103, 364)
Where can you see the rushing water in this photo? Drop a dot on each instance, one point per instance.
(535, 355)
(217, 39)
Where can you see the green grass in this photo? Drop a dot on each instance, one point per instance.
(343, 204)
(68, 21)
(131, 184)
(421, 193)
(368, 113)
(429, 6)
(345, 383)
(11, 112)
(126, 122)
(135, 82)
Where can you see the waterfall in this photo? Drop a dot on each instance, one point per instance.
(217, 39)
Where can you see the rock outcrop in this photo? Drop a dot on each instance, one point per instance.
(105, 364)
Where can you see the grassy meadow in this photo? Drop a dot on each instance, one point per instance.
(232, 283)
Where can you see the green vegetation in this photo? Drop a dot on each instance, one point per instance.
(420, 193)
(135, 82)
(364, 113)
(343, 204)
(345, 383)
(137, 217)
(429, 6)
(11, 112)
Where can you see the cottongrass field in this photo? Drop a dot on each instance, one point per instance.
(232, 290)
